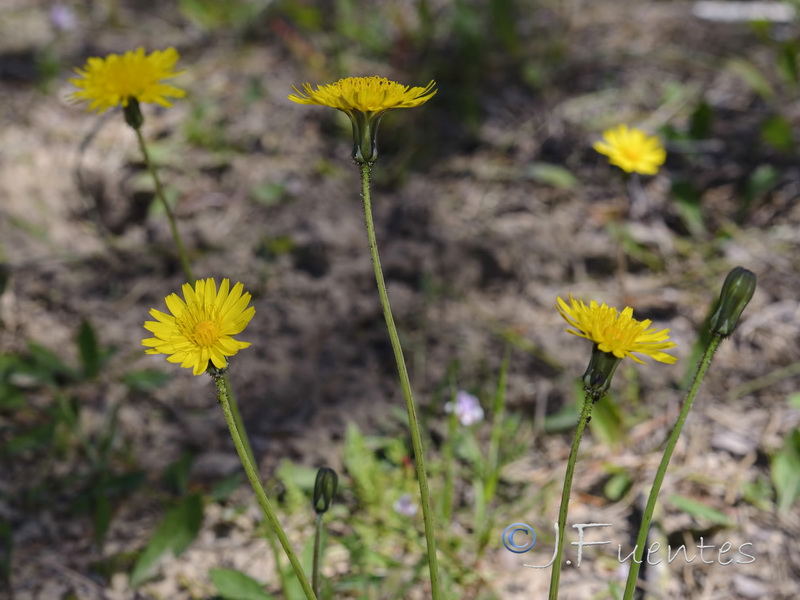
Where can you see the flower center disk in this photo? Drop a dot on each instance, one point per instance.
(206, 333)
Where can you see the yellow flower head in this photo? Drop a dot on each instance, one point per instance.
(632, 150)
(364, 100)
(616, 333)
(115, 79)
(201, 325)
(364, 94)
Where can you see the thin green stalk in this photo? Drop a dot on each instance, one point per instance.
(647, 517)
(273, 546)
(187, 271)
(187, 268)
(405, 384)
(237, 418)
(263, 500)
(586, 411)
(448, 458)
(316, 579)
(492, 474)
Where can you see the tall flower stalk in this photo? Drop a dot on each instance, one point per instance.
(405, 385)
(126, 81)
(615, 335)
(365, 100)
(198, 334)
(738, 289)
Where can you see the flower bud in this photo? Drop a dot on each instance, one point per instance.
(598, 375)
(133, 114)
(365, 133)
(325, 489)
(738, 289)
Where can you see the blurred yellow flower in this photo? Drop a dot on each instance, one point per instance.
(616, 333)
(364, 94)
(201, 327)
(632, 150)
(116, 79)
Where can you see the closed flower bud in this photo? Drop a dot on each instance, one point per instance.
(133, 114)
(598, 375)
(325, 489)
(738, 289)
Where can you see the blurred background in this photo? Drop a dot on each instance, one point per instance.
(489, 201)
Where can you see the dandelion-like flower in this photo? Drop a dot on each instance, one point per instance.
(117, 79)
(467, 408)
(364, 94)
(632, 150)
(201, 325)
(616, 333)
(364, 100)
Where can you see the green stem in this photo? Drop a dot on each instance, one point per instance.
(187, 268)
(405, 384)
(586, 411)
(315, 572)
(273, 546)
(237, 418)
(492, 474)
(647, 517)
(263, 500)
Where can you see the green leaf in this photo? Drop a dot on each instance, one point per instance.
(6, 548)
(564, 420)
(235, 585)
(553, 175)
(753, 76)
(777, 132)
(101, 517)
(785, 472)
(33, 439)
(88, 350)
(45, 366)
(761, 180)
(225, 487)
(689, 201)
(616, 487)
(179, 528)
(10, 397)
(700, 510)
(606, 422)
(700, 121)
(176, 475)
(787, 61)
(145, 380)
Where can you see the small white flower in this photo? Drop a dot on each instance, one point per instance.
(405, 506)
(466, 407)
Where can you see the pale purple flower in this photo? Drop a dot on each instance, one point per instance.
(63, 18)
(467, 408)
(405, 506)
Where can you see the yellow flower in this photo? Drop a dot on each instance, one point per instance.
(616, 333)
(201, 327)
(364, 100)
(632, 150)
(115, 80)
(364, 94)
